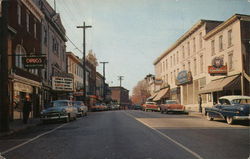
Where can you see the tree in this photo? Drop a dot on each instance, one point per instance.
(140, 93)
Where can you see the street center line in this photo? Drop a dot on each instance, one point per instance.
(169, 138)
(30, 140)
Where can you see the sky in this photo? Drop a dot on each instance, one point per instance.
(131, 34)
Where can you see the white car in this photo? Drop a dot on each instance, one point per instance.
(81, 108)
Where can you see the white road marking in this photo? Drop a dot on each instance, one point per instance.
(30, 140)
(166, 136)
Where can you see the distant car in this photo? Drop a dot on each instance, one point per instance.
(81, 108)
(59, 110)
(137, 107)
(150, 106)
(171, 106)
(230, 108)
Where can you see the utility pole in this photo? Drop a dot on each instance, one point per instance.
(104, 78)
(4, 93)
(120, 78)
(84, 62)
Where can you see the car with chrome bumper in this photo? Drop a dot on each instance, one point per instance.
(59, 110)
(152, 106)
(81, 108)
(230, 108)
(171, 106)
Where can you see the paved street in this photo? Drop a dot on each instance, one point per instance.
(130, 135)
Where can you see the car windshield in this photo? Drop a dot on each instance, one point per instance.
(60, 103)
(171, 102)
(241, 101)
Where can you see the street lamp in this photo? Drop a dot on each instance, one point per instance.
(84, 62)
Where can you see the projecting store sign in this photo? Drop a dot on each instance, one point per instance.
(217, 67)
(183, 77)
(62, 84)
(34, 62)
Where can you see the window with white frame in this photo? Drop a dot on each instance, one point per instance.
(19, 52)
(212, 48)
(229, 35)
(221, 43)
(230, 61)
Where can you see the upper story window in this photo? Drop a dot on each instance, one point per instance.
(174, 60)
(19, 14)
(194, 45)
(189, 66)
(229, 34)
(201, 63)
(230, 61)
(27, 21)
(20, 51)
(200, 39)
(195, 67)
(177, 57)
(0, 8)
(45, 39)
(183, 52)
(35, 31)
(221, 43)
(188, 47)
(171, 60)
(212, 48)
(166, 64)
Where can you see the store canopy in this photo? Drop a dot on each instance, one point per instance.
(227, 83)
(152, 97)
(161, 94)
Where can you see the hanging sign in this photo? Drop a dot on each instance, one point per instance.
(217, 67)
(34, 62)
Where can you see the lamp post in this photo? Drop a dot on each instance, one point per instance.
(84, 62)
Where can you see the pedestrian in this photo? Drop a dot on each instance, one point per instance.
(26, 109)
(200, 103)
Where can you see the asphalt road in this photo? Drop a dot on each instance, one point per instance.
(130, 135)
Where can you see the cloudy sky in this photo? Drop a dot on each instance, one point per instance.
(131, 34)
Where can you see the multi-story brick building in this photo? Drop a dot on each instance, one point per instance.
(24, 20)
(121, 95)
(184, 66)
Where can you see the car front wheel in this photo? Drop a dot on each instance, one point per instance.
(208, 117)
(229, 120)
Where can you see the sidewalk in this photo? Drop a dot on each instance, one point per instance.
(17, 125)
(197, 114)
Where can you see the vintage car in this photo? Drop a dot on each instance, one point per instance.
(137, 107)
(59, 110)
(230, 108)
(99, 107)
(150, 106)
(81, 108)
(171, 106)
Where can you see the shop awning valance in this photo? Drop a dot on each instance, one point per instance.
(161, 94)
(226, 83)
(152, 97)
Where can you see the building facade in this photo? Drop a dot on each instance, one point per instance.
(121, 95)
(186, 66)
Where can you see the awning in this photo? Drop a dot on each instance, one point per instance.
(162, 94)
(152, 96)
(226, 83)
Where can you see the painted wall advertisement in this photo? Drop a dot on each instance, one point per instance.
(217, 67)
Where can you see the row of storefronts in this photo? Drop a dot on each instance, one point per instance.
(211, 59)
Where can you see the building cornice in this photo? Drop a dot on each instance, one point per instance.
(226, 24)
(33, 9)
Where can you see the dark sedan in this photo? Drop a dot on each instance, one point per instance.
(230, 108)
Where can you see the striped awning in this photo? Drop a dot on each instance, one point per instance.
(162, 94)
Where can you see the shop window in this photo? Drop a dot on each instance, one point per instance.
(20, 52)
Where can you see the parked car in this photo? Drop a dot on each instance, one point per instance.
(230, 108)
(171, 106)
(81, 108)
(59, 110)
(137, 107)
(150, 106)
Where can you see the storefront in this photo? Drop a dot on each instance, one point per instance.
(162, 95)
